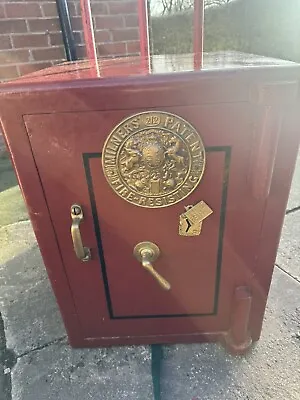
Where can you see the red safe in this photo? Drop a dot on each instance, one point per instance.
(133, 254)
(157, 199)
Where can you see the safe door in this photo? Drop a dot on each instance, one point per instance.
(152, 216)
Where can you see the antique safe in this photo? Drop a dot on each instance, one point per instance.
(157, 199)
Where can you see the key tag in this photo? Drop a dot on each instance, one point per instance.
(190, 222)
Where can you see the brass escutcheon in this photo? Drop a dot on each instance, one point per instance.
(153, 159)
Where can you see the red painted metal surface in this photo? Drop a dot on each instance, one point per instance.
(89, 37)
(95, 69)
(198, 32)
(220, 279)
(144, 34)
(131, 66)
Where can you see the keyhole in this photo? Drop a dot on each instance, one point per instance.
(76, 210)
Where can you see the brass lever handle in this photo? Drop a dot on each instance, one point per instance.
(83, 253)
(146, 253)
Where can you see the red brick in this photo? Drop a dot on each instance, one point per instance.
(52, 53)
(73, 8)
(76, 23)
(32, 67)
(14, 56)
(8, 72)
(77, 8)
(5, 42)
(102, 36)
(131, 21)
(133, 47)
(30, 40)
(81, 52)
(56, 39)
(2, 14)
(78, 36)
(13, 26)
(109, 22)
(23, 10)
(125, 34)
(44, 25)
(109, 49)
(122, 7)
(49, 9)
(99, 8)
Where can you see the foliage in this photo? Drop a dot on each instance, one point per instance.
(215, 3)
(167, 7)
(266, 27)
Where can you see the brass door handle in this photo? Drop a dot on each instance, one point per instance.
(83, 253)
(146, 253)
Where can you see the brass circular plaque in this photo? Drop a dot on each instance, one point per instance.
(153, 159)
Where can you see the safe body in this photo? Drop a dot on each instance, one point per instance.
(247, 115)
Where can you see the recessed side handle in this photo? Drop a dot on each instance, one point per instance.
(83, 253)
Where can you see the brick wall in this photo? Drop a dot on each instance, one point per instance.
(30, 36)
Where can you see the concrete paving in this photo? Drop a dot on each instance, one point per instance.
(288, 257)
(270, 371)
(294, 198)
(36, 362)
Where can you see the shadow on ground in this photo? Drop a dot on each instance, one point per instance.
(7, 176)
(12, 207)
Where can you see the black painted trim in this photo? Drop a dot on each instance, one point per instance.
(222, 223)
(86, 163)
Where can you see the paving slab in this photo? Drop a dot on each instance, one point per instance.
(28, 306)
(33, 320)
(14, 239)
(189, 372)
(59, 372)
(270, 371)
(294, 198)
(12, 206)
(288, 256)
(47, 367)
